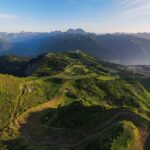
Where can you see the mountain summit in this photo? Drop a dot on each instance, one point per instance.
(76, 31)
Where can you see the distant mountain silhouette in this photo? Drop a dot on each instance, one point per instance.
(128, 49)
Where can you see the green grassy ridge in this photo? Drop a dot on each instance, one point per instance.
(48, 64)
(70, 62)
(12, 64)
(127, 137)
(64, 102)
(10, 88)
(77, 114)
(108, 94)
(35, 92)
(84, 81)
(38, 92)
(119, 136)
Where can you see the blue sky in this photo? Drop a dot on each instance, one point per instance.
(92, 15)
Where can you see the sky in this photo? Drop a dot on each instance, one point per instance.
(100, 16)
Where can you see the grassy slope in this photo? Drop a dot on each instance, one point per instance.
(117, 137)
(74, 94)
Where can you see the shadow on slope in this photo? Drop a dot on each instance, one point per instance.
(70, 126)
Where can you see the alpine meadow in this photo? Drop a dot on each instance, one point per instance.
(75, 75)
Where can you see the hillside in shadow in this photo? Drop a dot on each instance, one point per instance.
(77, 127)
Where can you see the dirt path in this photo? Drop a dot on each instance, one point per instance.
(119, 116)
(53, 103)
(14, 114)
(122, 115)
(81, 136)
(50, 104)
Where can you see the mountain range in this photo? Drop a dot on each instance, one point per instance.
(122, 48)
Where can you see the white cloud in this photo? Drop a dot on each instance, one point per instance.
(143, 10)
(134, 7)
(8, 16)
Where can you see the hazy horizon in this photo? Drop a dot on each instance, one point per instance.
(98, 16)
(50, 31)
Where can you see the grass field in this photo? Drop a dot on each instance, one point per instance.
(74, 104)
